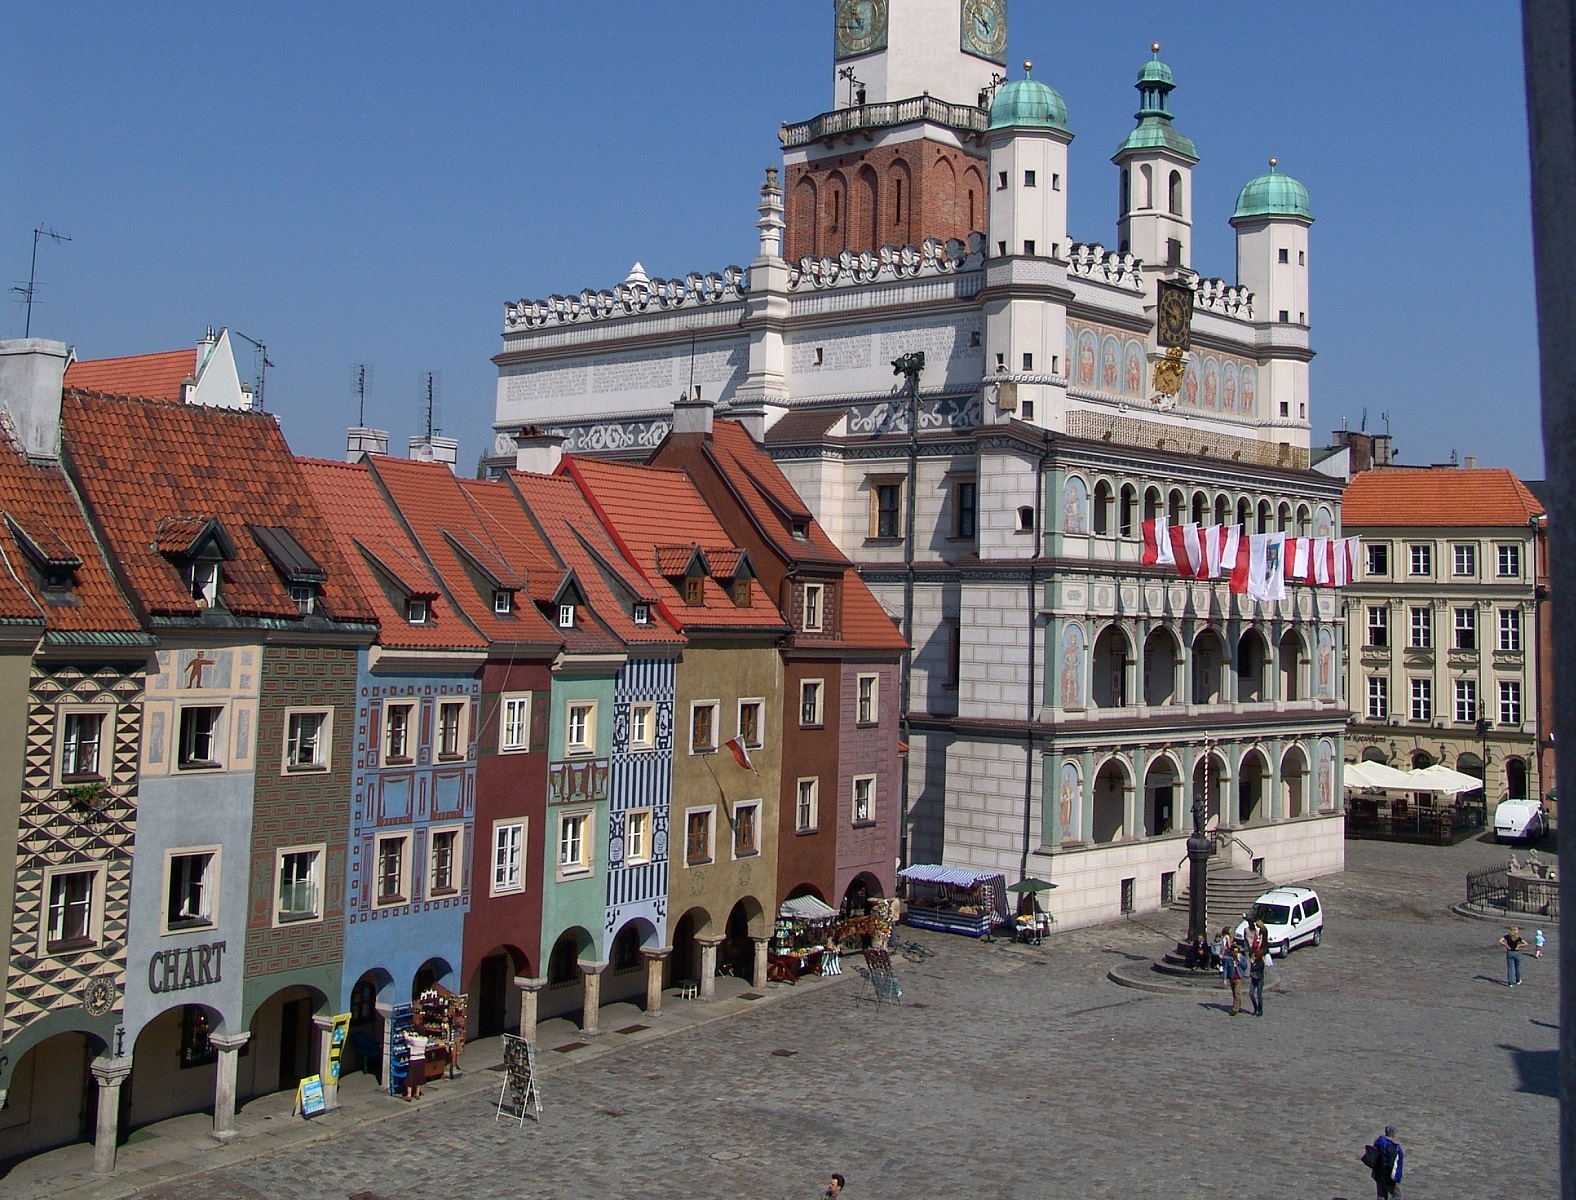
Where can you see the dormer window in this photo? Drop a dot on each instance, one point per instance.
(58, 581)
(694, 590)
(741, 593)
(503, 602)
(800, 529)
(417, 612)
(203, 580)
(304, 596)
(566, 616)
(642, 614)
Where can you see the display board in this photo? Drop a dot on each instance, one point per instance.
(309, 1101)
(336, 1045)
(519, 1093)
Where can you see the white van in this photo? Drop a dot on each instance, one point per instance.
(1291, 916)
(1520, 820)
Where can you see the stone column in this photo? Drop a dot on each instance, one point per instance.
(708, 966)
(325, 1049)
(655, 956)
(758, 979)
(530, 990)
(109, 1075)
(591, 1004)
(229, 1047)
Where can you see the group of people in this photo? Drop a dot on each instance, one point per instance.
(1514, 944)
(1239, 960)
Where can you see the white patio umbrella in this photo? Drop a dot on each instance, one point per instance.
(1445, 779)
(1380, 775)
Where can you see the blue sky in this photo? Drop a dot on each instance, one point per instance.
(354, 183)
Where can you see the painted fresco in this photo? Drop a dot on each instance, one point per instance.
(1075, 506)
(1069, 806)
(1071, 670)
(1325, 775)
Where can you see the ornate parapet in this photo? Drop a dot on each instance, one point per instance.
(964, 118)
(1091, 260)
(1230, 300)
(632, 297)
(890, 263)
(1183, 439)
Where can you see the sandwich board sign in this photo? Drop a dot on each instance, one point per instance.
(309, 1097)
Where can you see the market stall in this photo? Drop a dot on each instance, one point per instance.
(799, 939)
(954, 899)
(439, 1016)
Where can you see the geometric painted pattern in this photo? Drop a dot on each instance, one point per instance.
(53, 831)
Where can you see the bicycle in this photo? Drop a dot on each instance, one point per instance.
(914, 952)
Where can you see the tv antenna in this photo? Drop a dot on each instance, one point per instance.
(363, 382)
(429, 389)
(32, 276)
(263, 363)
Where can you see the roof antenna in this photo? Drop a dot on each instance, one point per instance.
(430, 387)
(1364, 428)
(262, 368)
(692, 395)
(32, 275)
(1385, 417)
(363, 381)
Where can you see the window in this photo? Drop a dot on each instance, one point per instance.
(1028, 179)
(1466, 700)
(807, 806)
(566, 616)
(810, 691)
(886, 506)
(1025, 519)
(199, 737)
(306, 741)
(741, 593)
(1378, 626)
(1421, 559)
(642, 726)
(746, 829)
(814, 607)
(750, 719)
(697, 837)
(1028, 247)
(1509, 562)
(1285, 255)
(1128, 895)
(1285, 316)
(304, 597)
(1422, 627)
(1510, 629)
(864, 799)
(1056, 182)
(300, 885)
(74, 896)
(1422, 699)
(503, 602)
(1379, 559)
(1001, 181)
(443, 862)
(637, 836)
(703, 727)
(416, 612)
(514, 734)
(1509, 702)
(451, 729)
(965, 508)
(581, 728)
(642, 614)
(191, 889)
(1378, 697)
(694, 590)
(397, 722)
(391, 863)
(81, 735)
(204, 580)
(868, 699)
(1463, 559)
(1028, 361)
(508, 857)
(1466, 628)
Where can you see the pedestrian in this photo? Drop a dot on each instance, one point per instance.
(415, 1065)
(1386, 1168)
(835, 1188)
(1199, 956)
(1537, 943)
(1514, 944)
(1231, 973)
(1256, 981)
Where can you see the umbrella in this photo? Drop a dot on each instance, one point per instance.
(1448, 780)
(1380, 775)
(1030, 885)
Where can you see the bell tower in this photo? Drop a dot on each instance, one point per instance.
(1156, 160)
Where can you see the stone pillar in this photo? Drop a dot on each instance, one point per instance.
(109, 1076)
(591, 1004)
(655, 956)
(229, 1047)
(530, 989)
(325, 1050)
(758, 978)
(708, 966)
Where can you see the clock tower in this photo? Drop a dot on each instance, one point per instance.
(900, 156)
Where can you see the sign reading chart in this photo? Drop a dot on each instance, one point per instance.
(309, 1096)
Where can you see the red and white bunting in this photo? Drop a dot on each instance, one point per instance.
(1227, 552)
(1188, 549)
(1157, 544)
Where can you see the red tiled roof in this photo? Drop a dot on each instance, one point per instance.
(804, 425)
(1403, 496)
(38, 502)
(141, 462)
(645, 507)
(151, 376)
(372, 540)
(674, 561)
(724, 561)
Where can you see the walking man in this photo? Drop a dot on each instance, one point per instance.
(1514, 944)
(1231, 972)
(1387, 1171)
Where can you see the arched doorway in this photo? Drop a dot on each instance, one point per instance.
(53, 1100)
(1160, 797)
(1110, 800)
(1516, 778)
(1294, 782)
(365, 1049)
(565, 991)
(1421, 760)
(494, 1008)
(1209, 660)
(1252, 661)
(1291, 658)
(433, 973)
(1254, 771)
(684, 963)
(1109, 678)
(174, 1065)
(1374, 754)
(746, 921)
(283, 1047)
(626, 975)
(1470, 764)
(1160, 667)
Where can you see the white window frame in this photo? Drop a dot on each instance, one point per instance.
(216, 738)
(580, 715)
(759, 704)
(752, 807)
(820, 703)
(94, 936)
(1504, 551)
(1368, 560)
(203, 582)
(1378, 622)
(814, 607)
(695, 709)
(807, 804)
(518, 703)
(462, 729)
(1422, 696)
(566, 616)
(1420, 558)
(325, 740)
(582, 863)
(642, 614)
(412, 710)
(640, 818)
(867, 706)
(1463, 559)
(508, 854)
(456, 862)
(106, 739)
(1510, 630)
(304, 597)
(402, 895)
(503, 602)
(1420, 627)
(642, 727)
(1466, 701)
(1510, 702)
(1464, 622)
(319, 852)
(709, 811)
(1378, 697)
(210, 889)
(868, 784)
(417, 612)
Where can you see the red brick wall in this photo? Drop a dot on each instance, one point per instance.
(898, 195)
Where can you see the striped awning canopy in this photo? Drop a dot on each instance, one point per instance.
(806, 908)
(956, 876)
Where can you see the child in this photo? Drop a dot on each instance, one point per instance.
(1537, 943)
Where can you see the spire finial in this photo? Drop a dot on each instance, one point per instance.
(1028, 65)
(1273, 163)
(1154, 48)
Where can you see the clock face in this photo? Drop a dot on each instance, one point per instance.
(1175, 320)
(861, 27)
(985, 29)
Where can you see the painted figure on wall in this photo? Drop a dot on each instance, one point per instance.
(1067, 806)
(1135, 369)
(1190, 383)
(1086, 358)
(1228, 388)
(1075, 506)
(1250, 391)
(1108, 364)
(1326, 776)
(1326, 663)
(1323, 523)
(1072, 667)
(1211, 383)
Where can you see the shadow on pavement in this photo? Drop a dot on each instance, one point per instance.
(1538, 1070)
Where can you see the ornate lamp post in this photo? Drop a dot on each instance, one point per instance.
(1199, 849)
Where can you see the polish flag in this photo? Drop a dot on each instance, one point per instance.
(1299, 569)
(1345, 560)
(1239, 569)
(1188, 549)
(1220, 550)
(741, 754)
(1157, 543)
(1323, 564)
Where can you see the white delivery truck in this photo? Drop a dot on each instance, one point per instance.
(1520, 821)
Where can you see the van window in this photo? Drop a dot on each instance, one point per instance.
(1296, 914)
(1272, 914)
(1310, 906)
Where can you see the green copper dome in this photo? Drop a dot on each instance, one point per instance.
(1155, 131)
(1028, 103)
(1273, 195)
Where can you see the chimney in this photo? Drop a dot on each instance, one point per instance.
(435, 448)
(360, 440)
(691, 414)
(538, 451)
(751, 414)
(1470, 462)
(31, 373)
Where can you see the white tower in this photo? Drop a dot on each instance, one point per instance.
(901, 49)
(1156, 222)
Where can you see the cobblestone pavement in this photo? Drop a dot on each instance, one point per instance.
(1022, 1072)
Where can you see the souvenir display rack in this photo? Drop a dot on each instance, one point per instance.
(440, 1017)
(401, 1021)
